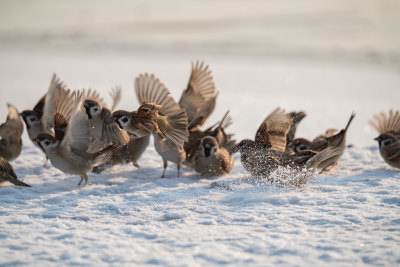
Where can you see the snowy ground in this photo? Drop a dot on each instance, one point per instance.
(314, 56)
(349, 216)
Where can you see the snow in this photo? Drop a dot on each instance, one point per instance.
(127, 216)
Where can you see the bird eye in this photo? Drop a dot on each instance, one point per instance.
(32, 119)
(47, 142)
(125, 120)
(387, 142)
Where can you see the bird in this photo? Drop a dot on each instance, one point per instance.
(74, 152)
(322, 141)
(10, 133)
(266, 153)
(128, 148)
(211, 159)
(198, 100)
(55, 107)
(7, 173)
(388, 127)
(217, 131)
(102, 127)
(160, 115)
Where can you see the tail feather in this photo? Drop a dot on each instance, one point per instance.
(15, 181)
(327, 153)
(350, 120)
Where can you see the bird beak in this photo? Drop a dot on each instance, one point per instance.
(113, 118)
(376, 139)
(35, 140)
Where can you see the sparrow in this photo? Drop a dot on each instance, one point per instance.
(388, 127)
(128, 148)
(73, 152)
(322, 141)
(217, 131)
(267, 152)
(211, 159)
(160, 115)
(51, 112)
(7, 173)
(102, 127)
(10, 135)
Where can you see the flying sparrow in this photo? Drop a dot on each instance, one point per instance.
(72, 152)
(388, 127)
(10, 133)
(7, 173)
(211, 159)
(323, 141)
(267, 153)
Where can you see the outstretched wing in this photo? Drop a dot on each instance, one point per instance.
(77, 134)
(384, 123)
(199, 98)
(49, 104)
(150, 90)
(116, 95)
(272, 132)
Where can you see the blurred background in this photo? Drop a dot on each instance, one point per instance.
(329, 57)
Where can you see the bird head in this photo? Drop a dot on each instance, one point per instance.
(92, 108)
(30, 118)
(45, 141)
(208, 146)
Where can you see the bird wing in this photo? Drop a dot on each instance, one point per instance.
(199, 97)
(111, 133)
(297, 117)
(384, 123)
(49, 103)
(116, 94)
(91, 94)
(38, 108)
(272, 132)
(149, 89)
(77, 134)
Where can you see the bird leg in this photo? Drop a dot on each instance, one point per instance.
(179, 168)
(45, 162)
(165, 167)
(84, 176)
(135, 164)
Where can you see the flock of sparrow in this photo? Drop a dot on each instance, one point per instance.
(79, 134)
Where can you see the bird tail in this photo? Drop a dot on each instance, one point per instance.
(324, 155)
(15, 181)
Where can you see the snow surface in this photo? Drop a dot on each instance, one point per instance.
(349, 216)
(311, 55)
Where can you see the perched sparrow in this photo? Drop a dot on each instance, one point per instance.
(7, 173)
(323, 141)
(10, 133)
(51, 112)
(217, 131)
(158, 114)
(267, 153)
(72, 153)
(212, 160)
(388, 127)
